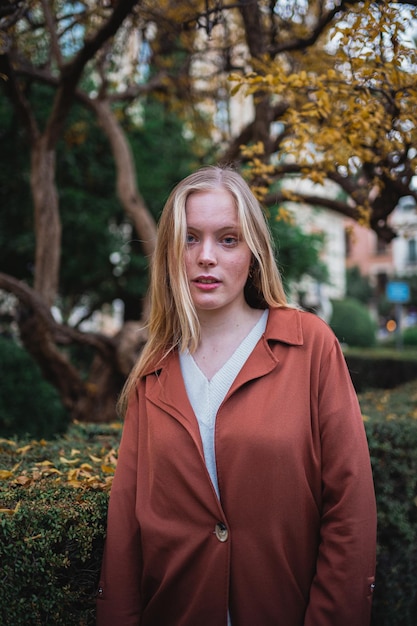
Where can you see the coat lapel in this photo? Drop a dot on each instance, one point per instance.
(166, 390)
(283, 326)
(165, 387)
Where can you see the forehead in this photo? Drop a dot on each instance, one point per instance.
(217, 205)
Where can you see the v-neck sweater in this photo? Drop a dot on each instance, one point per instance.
(206, 395)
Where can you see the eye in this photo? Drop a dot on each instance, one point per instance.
(190, 239)
(230, 241)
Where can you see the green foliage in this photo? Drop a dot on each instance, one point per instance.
(358, 286)
(163, 155)
(53, 506)
(28, 404)
(381, 368)
(16, 222)
(390, 405)
(89, 213)
(50, 553)
(392, 435)
(410, 336)
(352, 323)
(85, 179)
(298, 252)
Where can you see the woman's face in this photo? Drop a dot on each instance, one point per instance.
(217, 260)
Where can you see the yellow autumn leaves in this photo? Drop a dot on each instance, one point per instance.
(350, 103)
(71, 471)
(9, 511)
(80, 466)
(390, 405)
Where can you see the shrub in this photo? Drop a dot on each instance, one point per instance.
(53, 508)
(28, 404)
(380, 368)
(391, 426)
(393, 448)
(50, 550)
(410, 336)
(352, 323)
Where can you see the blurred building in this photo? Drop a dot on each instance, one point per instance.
(318, 295)
(381, 261)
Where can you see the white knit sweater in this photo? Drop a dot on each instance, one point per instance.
(206, 395)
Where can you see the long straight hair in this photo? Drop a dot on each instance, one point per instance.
(173, 321)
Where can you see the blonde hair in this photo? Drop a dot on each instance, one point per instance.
(173, 321)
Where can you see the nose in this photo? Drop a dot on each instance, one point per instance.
(207, 253)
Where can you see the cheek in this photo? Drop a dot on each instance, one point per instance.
(241, 267)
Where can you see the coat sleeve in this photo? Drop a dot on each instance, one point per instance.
(342, 587)
(118, 599)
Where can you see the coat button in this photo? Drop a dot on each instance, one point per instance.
(221, 532)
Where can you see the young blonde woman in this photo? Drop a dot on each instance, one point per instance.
(243, 493)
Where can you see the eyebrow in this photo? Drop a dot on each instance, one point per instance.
(225, 228)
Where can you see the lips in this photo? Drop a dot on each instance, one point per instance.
(206, 282)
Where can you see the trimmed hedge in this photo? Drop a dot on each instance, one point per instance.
(53, 502)
(393, 448)
(50, 555)
(53, 506)
(380, 369)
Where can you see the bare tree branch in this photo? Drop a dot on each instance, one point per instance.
(61, 333)
(51, 27)
(126, 176)
(72, 71)
(301, 43)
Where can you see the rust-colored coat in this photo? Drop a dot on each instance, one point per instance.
(297, 502)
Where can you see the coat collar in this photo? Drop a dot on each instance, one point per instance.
(165, 386)
(284, 325)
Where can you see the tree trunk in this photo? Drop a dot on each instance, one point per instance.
(91, 398)
(47, 219)
(127, 189)
(131, 337)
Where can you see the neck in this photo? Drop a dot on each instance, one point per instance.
(220, 332)
(213, 323)
(220, 337)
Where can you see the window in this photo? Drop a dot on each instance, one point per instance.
(412, 251)
(381, 247)
(348, 242)
(381, 283)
